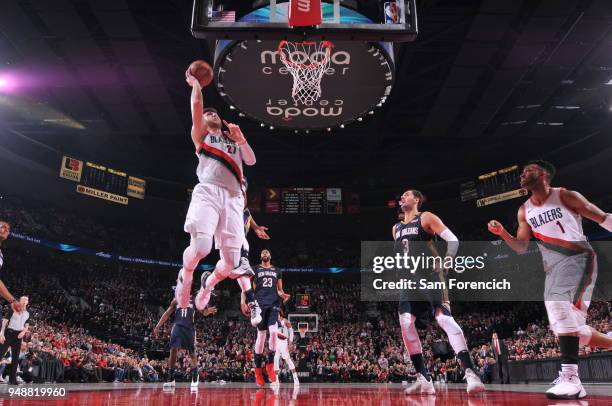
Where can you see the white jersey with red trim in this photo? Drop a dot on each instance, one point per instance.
(220, 162)
(552, 221)
(282, 331)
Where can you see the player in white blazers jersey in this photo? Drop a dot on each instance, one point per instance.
(554, 217)
(217, 204)
(283, 346)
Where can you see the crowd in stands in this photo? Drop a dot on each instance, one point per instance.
(83, 310)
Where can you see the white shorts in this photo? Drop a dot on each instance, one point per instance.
(216, 211)
(568, 288)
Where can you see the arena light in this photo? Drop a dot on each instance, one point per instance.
(359, 118)
(241, 115)
(262, 125)
(232, 107)
(341, 125)
(271, 127)
(328, 129)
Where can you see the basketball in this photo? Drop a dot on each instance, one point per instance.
(202, 71)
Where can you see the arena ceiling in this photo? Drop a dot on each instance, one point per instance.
(487, 83)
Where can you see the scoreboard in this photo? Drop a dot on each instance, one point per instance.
(102, 182)
(107, 179)
(304, 200)
(494, 187)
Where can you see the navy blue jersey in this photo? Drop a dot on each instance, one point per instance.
(411, 237)
(185, 316)
(265, 285)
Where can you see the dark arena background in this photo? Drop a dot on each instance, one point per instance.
(452, 98)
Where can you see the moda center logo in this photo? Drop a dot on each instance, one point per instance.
(287, 109)
(254, 77)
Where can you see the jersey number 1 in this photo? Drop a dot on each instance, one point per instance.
(561, 227)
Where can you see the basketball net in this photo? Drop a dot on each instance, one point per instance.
(307, 63)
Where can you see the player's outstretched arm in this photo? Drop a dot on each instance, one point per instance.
(259, 230)
(165, 317)
(10, 298)
(434, 224)
(523, 234)
(199, 127)
(585, 208)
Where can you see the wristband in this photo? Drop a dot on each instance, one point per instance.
(607, 223)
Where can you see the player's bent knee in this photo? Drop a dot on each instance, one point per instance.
(561, 317)
(405, 319)
(585, 335)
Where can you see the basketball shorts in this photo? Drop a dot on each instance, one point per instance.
(216, 211)
(419, 302)
(182, 338)
(571, 279)
(269, 317)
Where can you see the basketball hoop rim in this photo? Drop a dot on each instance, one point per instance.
(326, 44)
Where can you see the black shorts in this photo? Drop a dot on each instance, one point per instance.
(182, 338)
(269, 317)
(421, 301)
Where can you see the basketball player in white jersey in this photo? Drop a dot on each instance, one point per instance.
(217, 204)
(283, 345)
(554, 217)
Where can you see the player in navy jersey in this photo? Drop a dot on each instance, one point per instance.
(554, 217)
(268, 285)
(245, 266)
(5, 231)
(415, 235)
(182, 337)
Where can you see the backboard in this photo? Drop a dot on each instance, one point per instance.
(391, 20)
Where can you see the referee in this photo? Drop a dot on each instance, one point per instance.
(5, 231)
(17, 323)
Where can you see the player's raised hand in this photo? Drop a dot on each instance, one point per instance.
(285, 297)
(235, 133)
(261, 232)
(495, 227)
(156, 332)
(191, 80)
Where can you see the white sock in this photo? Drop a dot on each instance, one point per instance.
(571, 368)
